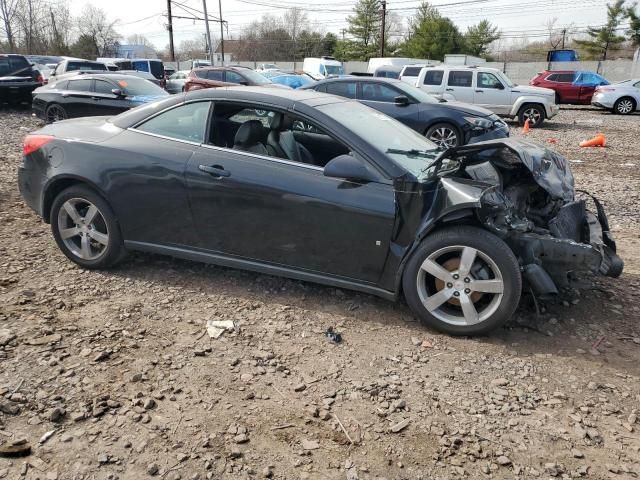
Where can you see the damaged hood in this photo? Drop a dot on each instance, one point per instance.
(550, 170)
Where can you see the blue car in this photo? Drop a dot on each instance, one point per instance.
(85, 95)
(293, 80)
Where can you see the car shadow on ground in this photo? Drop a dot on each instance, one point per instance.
(568, 326)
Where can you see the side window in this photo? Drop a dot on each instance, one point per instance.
(141, 66)
(377, 92)
(637, 84)
(321, 88)
(459, 79)
(104, 87)
(186, 122)
(233, 77)
(433, 77)
(342, 89)
(552, 78)
(214, 75)
(488, 80)
(79, 85)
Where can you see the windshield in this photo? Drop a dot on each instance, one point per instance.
(133, 87)
(255, 77)
(73, 66)
(404, 146)
(505, 79)
(334, 69)
(415, 92)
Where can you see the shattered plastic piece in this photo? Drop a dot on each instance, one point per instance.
(215, 328)
(46, 437)
(334, 337)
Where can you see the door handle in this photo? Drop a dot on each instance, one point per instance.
(479, 91)
(215, 170)
(449, 89)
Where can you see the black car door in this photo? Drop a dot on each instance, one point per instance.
(106, 103)
(77, 99)
(382, 97)
(276, 211)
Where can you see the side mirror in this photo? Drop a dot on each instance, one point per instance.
(401, 100)
(349, 168)
(117, 92)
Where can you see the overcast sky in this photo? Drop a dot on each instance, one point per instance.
(515, 18)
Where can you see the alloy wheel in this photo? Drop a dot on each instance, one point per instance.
(625, 106)
(56, 113)
(83, 229)
(533, 114)
(444, 137)
(460, 285)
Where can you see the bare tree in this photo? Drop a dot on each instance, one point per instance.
(8, 12)
(137, 39)
(93, 24)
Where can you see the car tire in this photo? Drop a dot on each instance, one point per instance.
(55, 113)
(459, 300)
(444, 135)
(534, 112)
(85, 228)
(624, 106)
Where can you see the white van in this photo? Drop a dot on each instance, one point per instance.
(491, 89)
(323, 67)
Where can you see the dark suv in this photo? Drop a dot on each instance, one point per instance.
(18, 79)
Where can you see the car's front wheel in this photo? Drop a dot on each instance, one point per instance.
(462, 280)
(624, 106)
(85, 228)
(444, 135)
(532, 112)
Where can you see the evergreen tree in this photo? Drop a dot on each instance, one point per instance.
(364, 27)
(479, 37)
(605, 38)
(634, 25)
(431, 35)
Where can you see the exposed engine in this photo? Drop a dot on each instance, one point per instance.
(530, 202)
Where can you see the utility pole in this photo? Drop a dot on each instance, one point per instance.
(564, 34)
(206, 23)
(170, 29)
(221, 29)
(384, 17)
(55, 29)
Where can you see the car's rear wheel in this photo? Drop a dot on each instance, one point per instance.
(444, 135)
(534, 113)
(85, 228)
(463, 280)
(55, 113)
(624, 106)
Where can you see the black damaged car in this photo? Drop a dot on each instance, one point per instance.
(319, 188)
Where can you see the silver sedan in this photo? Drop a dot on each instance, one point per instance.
(175, 83)
(622, 97)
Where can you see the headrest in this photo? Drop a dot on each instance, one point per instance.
(249, 133)
(280, 122)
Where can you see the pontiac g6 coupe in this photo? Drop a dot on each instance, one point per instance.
(319, 188)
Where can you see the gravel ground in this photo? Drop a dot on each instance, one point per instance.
(111, 375)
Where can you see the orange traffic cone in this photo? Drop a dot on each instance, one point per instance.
(525, 129)
(598, 141)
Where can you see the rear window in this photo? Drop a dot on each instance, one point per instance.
(459, 79)
(433, 77)
(73, 66)
(411, 71)
(14, 65)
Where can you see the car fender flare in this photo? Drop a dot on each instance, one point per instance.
(58, 183)
(531, 99)
(457, 199)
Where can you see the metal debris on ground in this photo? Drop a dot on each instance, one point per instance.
(334, 337)
(215, 328)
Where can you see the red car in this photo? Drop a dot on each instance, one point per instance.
(571, 86)
(212, 77)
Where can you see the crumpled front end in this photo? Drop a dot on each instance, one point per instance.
(532, 205)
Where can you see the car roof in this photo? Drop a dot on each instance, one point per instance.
(103, 76)
(220, 67)
(285, 99)
(360, 79)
